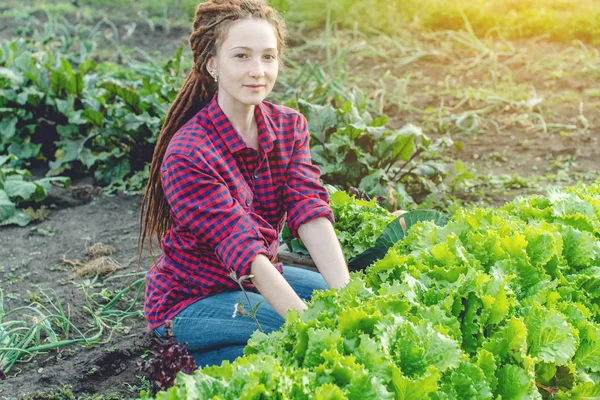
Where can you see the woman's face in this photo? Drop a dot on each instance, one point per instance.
(247, 63)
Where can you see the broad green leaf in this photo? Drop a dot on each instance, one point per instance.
(5, 159)
(20, 189)
(468, 381)
(114, 171)
(487, 363)
(415, 389)
(320, 119)
(76, 118)
(580, 248)
(396, 146)
(25, 63)
(513, 383)
(549, 336)
(93, 116)
(18, 218)
(415, 347)
(543, 243)
(510, 338)
(15, 78)
(46, 182)
(30, 96)
(59, 82)
(329, 391)
(87, 157)
(319, 340)
(65, 106)
(7, 207)
(134, 122)
(68, 131)
(589, 280)
(8, 127)
(588, 353)
(130, 97)
(192, 387)
(582, 391)
(564, 204)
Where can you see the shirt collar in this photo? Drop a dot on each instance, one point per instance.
(230, 135)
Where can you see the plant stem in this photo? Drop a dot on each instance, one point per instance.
(251, 307)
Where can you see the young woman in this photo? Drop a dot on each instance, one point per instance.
(229, 169)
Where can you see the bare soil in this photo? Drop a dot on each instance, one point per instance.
(31, 261)
(516, 149)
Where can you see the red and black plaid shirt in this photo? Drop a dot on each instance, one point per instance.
(229, 203)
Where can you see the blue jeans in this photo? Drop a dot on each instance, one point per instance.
(213, 335)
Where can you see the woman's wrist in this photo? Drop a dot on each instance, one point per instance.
(273, 287)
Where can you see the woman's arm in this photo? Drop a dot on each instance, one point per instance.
(273, 286)
(324, 247)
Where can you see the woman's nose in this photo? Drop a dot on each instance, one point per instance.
(256, 68)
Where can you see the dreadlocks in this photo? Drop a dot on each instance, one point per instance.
(211, 22)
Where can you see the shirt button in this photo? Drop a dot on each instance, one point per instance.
(255, 174)
(247, 202)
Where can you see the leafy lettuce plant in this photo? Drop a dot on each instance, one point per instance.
(497, 303)
(358, 223)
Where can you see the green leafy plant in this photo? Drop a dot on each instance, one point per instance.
(358, 224)
(495, 303)
(393, 233)
(18, 189)
(353, 149)
(78, 119)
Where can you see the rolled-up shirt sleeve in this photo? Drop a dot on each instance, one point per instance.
(304, 196)
(202, 203)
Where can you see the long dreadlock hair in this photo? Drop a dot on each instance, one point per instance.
(211, 22)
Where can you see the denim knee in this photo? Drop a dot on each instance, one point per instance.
(218, 355)
(304, 281)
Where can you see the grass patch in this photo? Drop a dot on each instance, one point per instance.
(561, 20)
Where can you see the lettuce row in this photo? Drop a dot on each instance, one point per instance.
(497, 304)
(358, 224)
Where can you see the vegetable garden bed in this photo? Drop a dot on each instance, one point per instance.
(495, 304)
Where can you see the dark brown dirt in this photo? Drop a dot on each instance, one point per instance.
(30, 262)
(515, 149)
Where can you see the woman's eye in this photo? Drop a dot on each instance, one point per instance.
(270, 57)
(241, 55)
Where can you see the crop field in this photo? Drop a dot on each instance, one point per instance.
(481, 118)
